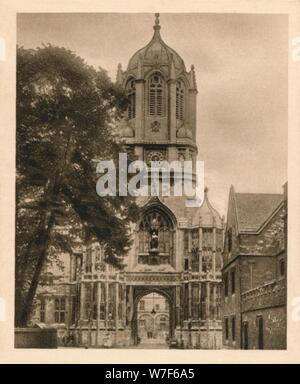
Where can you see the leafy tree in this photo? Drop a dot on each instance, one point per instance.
(66, 115)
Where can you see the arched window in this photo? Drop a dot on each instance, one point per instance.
(165, 237)
(156, 95)
(180, 100)
(131, 98)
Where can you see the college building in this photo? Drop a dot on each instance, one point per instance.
(254, 271)
(177, 250)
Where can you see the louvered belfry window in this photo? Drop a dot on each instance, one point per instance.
(131, 97)
(156, 95)
(180, 100)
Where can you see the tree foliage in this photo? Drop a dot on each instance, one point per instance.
(66, 116)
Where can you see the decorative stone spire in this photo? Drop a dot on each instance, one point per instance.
(210, 217)
(119, 74)
(193, 77)
(156, 26)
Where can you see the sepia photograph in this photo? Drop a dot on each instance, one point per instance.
(151, 181)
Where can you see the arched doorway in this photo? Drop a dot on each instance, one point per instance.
(153, 319)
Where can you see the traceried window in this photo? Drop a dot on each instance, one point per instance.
(60, 310)
(180, 100)
(131, 98)
(156, 95)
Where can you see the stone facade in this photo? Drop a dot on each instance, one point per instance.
(93, 304)
(254, 272)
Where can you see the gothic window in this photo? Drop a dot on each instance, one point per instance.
(42, 310)
(203, 302)
(206, 261)
(156, 95)
(233, 328)
(131, 98)
(60, 310)
(195, 260)
(195, 301)
(180, 100)
(226, 328)
(207, 242)
(233, 281)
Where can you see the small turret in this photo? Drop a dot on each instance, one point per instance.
(119, 79)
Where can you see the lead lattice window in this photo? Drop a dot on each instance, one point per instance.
(156, 95)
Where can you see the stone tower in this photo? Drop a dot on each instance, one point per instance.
(161, 118)
(176, 250)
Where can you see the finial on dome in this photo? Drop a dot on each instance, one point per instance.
(156, 26)
(157, 18)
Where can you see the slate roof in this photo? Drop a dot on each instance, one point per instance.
(253, 209)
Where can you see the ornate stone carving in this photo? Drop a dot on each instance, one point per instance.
(155, 155)
(155, 126)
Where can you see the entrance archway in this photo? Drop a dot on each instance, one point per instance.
(160, 323)
(153, 320)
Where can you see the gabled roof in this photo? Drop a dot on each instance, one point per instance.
(254, 209)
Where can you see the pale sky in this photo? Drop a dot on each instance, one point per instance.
(241, 69)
